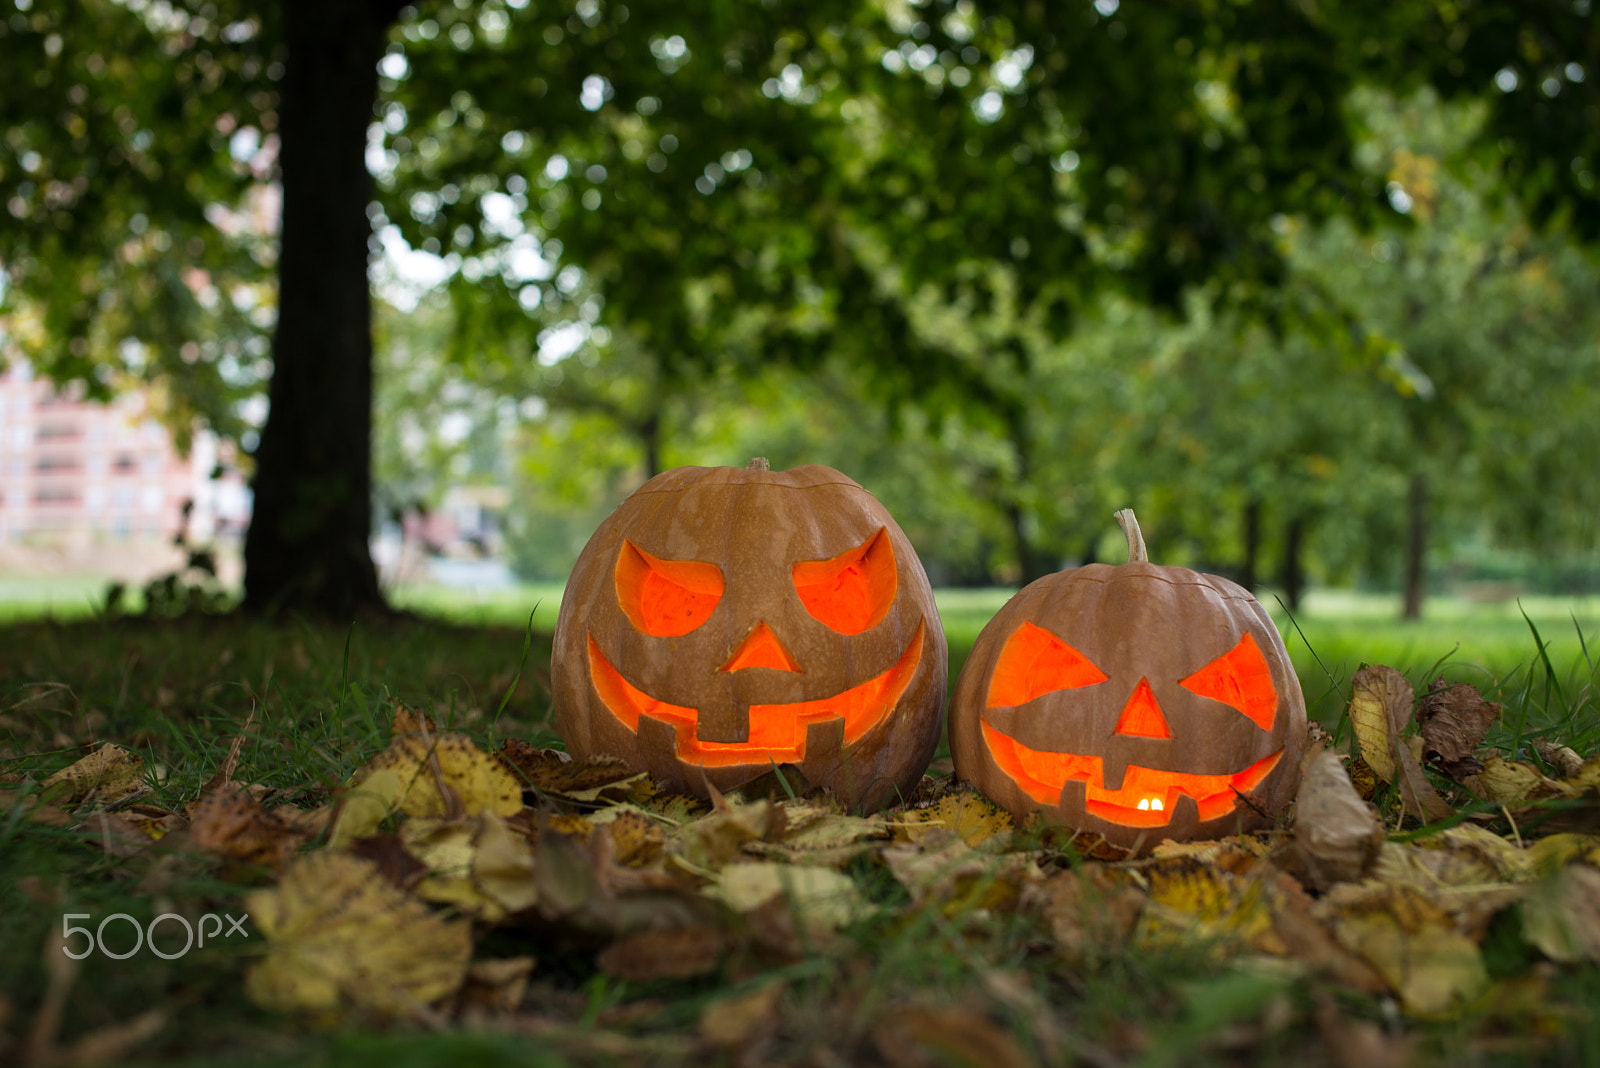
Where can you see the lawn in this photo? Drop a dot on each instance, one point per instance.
(946, 936)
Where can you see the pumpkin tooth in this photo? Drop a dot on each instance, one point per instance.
(1074, 795)
(1184, 820)
(1113, 770)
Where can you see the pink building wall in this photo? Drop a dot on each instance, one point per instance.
(79, 476)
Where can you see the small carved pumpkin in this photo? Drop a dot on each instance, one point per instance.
(1136, 702)
(725, 621)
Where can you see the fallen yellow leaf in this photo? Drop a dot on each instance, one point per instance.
(474, 780)
(1412, 943)
(110, 770)
(1561, 916)
(819, 896)
(341, 937)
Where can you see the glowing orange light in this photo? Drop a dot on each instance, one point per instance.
(1241, 678)
(665, 598)
(761, 648)
(777, 732)
(1141, 716)
(1041, 774)
(1035, 662)
(851, 591)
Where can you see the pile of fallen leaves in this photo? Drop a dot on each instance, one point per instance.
(384, 898)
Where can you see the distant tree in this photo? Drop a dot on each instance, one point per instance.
(135, 215)
(739, 182)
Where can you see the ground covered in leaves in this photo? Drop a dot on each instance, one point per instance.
(393, 862)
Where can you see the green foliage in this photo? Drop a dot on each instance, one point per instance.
(135, 244)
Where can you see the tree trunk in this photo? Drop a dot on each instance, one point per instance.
(1029, 564)
(650, 438)
(1252, 543)
(308, 548)
(1416, 546)
(1294, 578)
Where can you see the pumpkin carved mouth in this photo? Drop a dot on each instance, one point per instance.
(1147, 796)
(777, 731)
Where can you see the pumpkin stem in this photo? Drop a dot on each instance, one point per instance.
(1137, 554)
(758, 463)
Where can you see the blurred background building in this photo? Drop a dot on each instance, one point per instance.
(101, 487)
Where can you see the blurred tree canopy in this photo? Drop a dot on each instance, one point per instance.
(933, 199)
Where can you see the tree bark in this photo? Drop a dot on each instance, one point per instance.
(1029, 564)
(1252, 543)
(1416, 547)
(650, 438)
(308, 546)
(1293, 578)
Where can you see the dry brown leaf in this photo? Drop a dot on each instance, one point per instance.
(116, 835)
(109, 772)
(551, 771)
(828, 839)
(340, 936)
(1361, 1043)
(1308, 941)
(1562, 759)
(719, 839)
(969, 814)
(232, 825)
(402, 870)
(1453, 721)
(680, 953)
(734, 1021)
(1460, 878)
(931, 869)
(1090, 912)
(153, 821)
(925, 1036)
(410, 721)
(1336, 834)
(230, 763)
(494, 989)
(37, 812)
(637, 838)
(1380, 709)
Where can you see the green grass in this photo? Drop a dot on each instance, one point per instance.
(61, 597)
(177, 694)
(1489, 645)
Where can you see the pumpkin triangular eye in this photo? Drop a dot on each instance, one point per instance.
(1242, 678)
(1035, 662)
(665, 598)
(852, 591)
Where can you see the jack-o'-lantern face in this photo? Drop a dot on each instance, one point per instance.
(726, 621)
(1138, 702)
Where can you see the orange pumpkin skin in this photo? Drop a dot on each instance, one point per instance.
(723, 621)
(1136, 702)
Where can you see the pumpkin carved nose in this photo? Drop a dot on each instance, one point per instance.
(1141, 716)
(760, 648)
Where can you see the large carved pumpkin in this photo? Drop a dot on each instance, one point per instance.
(1137, 702)
(724, 621)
